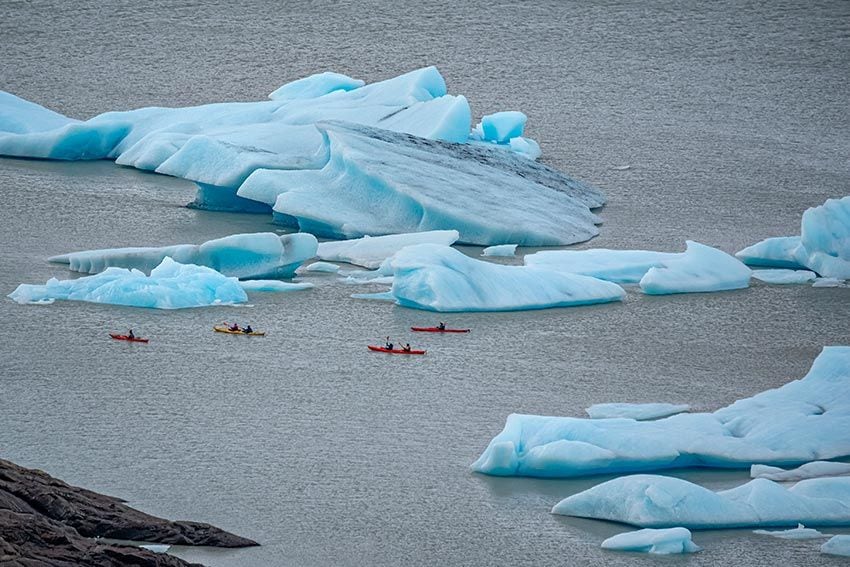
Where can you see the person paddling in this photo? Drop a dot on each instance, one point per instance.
(234, 327)
(248, 330)
(131, 335)
(441, 326)
(406, 348)
(389, 344)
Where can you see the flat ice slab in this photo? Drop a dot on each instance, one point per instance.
(370, 252)
(800, 532)
(784, 276)
(255, 255)
(653, 501)
(809, 470)
(803, 420)
(274, 285)
(506, 250)
(662, 542)
(440, 278)
(639, 412)
(838, 545)
(318, 267)
(171, 285)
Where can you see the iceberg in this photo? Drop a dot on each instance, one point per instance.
(155, 547)
(638, 412)
(700, 268)
(502, 126)
(248, 256)
(804, 420)
(171, 285)
(829, 282)
(318, 267)
(652, 501)
(800, 532)
(809, 470)
(838, 545)
(663, 542)
(370, 252)
(785, 276)
(504, 250)
(274, 285)
(335, 157)
(440, 278)
(822, 247)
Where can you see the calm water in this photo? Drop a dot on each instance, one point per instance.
(733, 120)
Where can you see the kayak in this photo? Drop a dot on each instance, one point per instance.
(438, 330)
(229, 332)
(394, 351)
(128, 339)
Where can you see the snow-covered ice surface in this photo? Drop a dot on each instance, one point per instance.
(638, 412)
(804, 420)
(336, 157)
(653, 501)
(440, 278)
(318, 267)
(785, 276)
(700, 268)
(838, 545)
(258, 255)
(823, 245)
(370, 252)
(809, 470)
(663, 542)
(275, 285)
(800, 532)
(171, 285)
(504, 250)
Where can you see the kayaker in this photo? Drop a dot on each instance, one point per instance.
(406, 348)
(131, 335)
(248, 330)
(234, 327)
(389, 344)
(441, 326)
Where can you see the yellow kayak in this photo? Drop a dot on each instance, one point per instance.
(229, 332)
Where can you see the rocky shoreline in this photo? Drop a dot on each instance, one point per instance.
(47, 522)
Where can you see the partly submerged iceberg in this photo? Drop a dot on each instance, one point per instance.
(700, 268)
(370, 252)
(653, 501)
(784, 276)
(171, 285)
(338, 158)
(440, 278)
(255, 256)
(663, 542)
(803, 420)
(823, 245)
(800, 532)
(639, 412)
(809, 470)
(838, 545)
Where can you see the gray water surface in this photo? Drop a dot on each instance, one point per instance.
(733, 119)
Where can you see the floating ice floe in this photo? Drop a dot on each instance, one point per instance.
(829, 282)
(274, 285)
(809, 470)
(171, 285)
(370, 252)
(838, 545)
(785, 276)
(336, 157)
(823, 245)
(804, 420)
(318, 267)
(800, 532)
(505, 250)
(663, 542)
(700, 268)
(155, 547)
(638, 412)
(259, 255)
(440, 278)
(653, 501)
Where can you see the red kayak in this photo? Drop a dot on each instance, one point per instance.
(395, 350)
(128, 339)
(438, 330)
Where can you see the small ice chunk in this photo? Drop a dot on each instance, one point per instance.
(785, 276)
(500, 250)
(800, 532)
(829, 282)
(274, 285)
(155, 547)
(838, 545)
(664, 541)
(809, 470)
(319, 267)
(639, 412)
(502, 126)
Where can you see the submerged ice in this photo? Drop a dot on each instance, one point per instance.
(255, 256)
(170, 285)
(802, 421)
(337, 157)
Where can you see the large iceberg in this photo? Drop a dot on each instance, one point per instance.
(440, 278)
(652, 501)
(171, 285)
(823, 245)
(370, 252)
(699, 268)
(247, 256)
(802, 421)
(809, 470)
(662, 542)
(336, 157)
